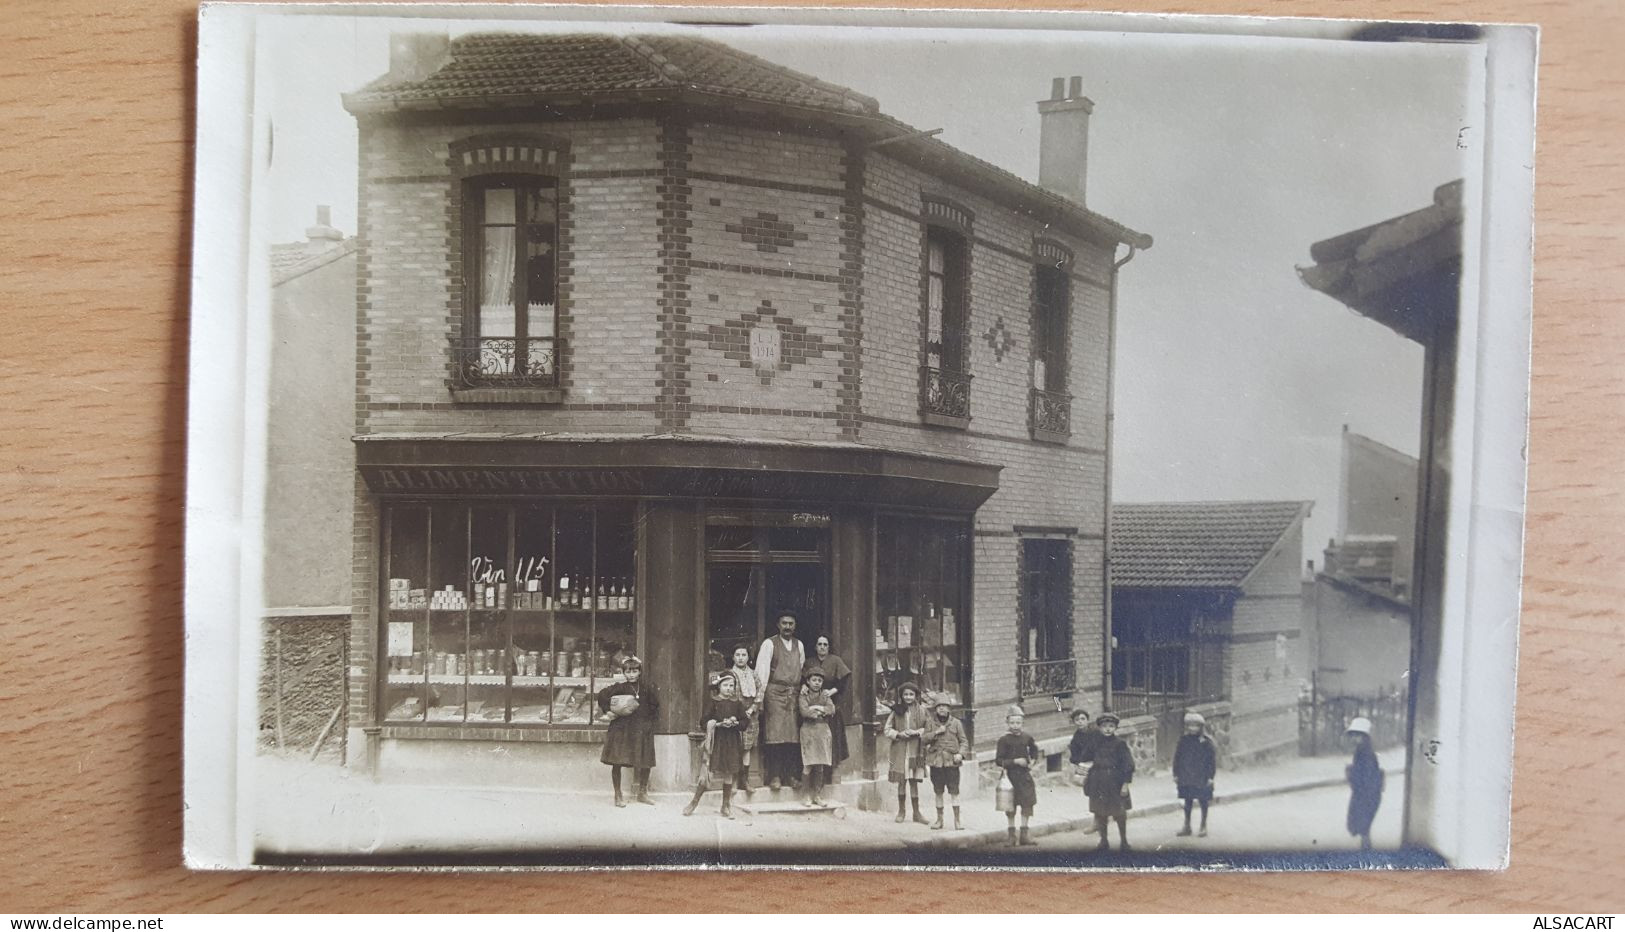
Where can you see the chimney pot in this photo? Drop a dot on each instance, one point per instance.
(324, 215)
(1063, 139)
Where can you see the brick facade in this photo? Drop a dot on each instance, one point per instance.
(752, 282)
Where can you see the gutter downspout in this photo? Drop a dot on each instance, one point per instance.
(1106, 535)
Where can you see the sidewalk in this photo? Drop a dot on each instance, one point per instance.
(302, 809)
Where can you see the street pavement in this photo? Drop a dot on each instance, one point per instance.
(317, 814)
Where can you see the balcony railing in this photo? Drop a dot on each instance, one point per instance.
(504, 362)
(1051, 413)
(1045, 677)
(944, 393)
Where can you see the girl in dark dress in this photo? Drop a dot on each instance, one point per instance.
(1108, 782)
(1365, 781)
(836, 677)
(724, 723)
(1196, 761)
(630, 740)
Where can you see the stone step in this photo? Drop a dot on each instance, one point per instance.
(791, 807)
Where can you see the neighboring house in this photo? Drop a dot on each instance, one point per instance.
(1207, 613)
(310, 483)
(1405, 274)
(1357, 611)
(657, 340)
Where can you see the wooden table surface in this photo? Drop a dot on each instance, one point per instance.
(96, 100)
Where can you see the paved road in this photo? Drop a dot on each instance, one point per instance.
(1309, 820)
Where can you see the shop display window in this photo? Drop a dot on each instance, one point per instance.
(921, 630)
(499, 614)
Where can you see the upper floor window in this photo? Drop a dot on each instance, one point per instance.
(1051, 406)
(945, 375)
(510, 197)
(512, 324)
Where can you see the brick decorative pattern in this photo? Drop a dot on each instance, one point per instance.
(998, 338)
(794, 344)
(766, 232)
(849, 391)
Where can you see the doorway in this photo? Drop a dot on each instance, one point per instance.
(758, 571)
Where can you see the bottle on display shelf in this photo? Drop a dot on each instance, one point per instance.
(564, 592)
(602, 598)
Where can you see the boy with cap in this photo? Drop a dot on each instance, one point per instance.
(1108, 781)
(1016, 753)
(945, 749)
(1196, 760)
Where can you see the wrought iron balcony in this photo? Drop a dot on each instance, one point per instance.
(503, 362)
(1051, 414)
(944, 394)
(1046, 677)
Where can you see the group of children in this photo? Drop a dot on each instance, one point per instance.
(929, 742)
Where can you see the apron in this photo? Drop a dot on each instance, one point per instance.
(779, 725)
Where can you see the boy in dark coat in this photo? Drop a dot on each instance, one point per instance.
(1081, 752)
(724, 724)
(630, 740)
(945, 749)
(1016, 753)
(1365, 781)
(1108, 782)
(1196, 761)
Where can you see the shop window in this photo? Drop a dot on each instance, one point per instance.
(922, 626)
(945, 374)
(496, 614)
(1050, 410)
(758, 567)
(1046, 664)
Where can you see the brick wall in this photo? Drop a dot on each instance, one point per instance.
(678, 239)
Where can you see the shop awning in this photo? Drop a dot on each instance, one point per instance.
(674, 467)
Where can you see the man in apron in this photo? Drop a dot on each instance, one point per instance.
(778, 665)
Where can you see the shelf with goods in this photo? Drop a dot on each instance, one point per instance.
(491, 679)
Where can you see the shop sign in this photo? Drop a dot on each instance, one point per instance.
(561, 481)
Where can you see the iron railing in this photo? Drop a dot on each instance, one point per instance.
(1051, 412)
(509, 363)
(944, 393)
(1044, 677)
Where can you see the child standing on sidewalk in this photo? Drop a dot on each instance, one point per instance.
(905, 726)
(1196, 761)
(1365, 781)
(1108, 782)
(1016, 753)
(630, 741)
(1081, 752)
(724, 724)
(945, 749)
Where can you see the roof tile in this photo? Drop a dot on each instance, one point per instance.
(1195, 544)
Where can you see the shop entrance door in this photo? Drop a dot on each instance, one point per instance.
(756, 573)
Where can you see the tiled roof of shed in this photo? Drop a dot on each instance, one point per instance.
(1206, 545)
(487, 66)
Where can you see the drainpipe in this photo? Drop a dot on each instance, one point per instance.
(1106, 535)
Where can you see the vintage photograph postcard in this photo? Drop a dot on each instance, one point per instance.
(701, 438)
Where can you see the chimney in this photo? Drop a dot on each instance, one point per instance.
(414, 56)
(1063, 138)
(322, 237)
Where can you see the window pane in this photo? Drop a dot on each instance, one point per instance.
(532, 660)
(448, 612)
(499, 205)
(489, 576)
(614, 636)
(572, 622)
(919, 634)
(733, 604)
(496, 283)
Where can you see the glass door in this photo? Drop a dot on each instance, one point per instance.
(756, 573)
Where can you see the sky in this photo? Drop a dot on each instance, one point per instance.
(1233, 379)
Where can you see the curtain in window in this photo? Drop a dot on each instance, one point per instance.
(496, 283)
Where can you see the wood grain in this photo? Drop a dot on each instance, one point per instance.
(96, 99)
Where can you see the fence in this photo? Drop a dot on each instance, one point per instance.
(1322, 720)
(302, 690)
